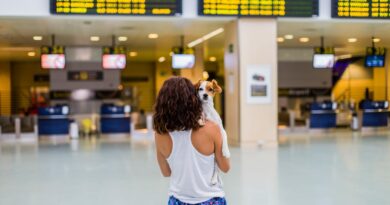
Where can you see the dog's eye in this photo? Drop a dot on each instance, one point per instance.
(200, 89)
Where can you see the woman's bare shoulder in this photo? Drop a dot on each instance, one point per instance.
(210, 127)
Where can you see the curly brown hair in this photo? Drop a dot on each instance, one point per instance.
(177, 107)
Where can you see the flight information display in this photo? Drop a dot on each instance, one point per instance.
(117, 7)
(266, 8)
(361, 8)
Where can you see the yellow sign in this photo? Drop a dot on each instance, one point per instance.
(361, 8)
(291, 8)
(116, 7)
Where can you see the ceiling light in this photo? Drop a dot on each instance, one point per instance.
(376, 40)
(343, 57)
(31, 53)
(133, 54)
(205, 75)
(153, 35)
(280, 39)
(122, 38)
(304, 40)
(212, 59)
(205, 37)
(352, 40)
(95, 38)
(161, 59)
(37, 38)
(289, 37)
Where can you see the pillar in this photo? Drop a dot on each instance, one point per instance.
(5, 88)
(251, 81)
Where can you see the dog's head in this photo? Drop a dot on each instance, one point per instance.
(207, 90)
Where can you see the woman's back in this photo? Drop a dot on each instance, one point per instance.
(192, 162)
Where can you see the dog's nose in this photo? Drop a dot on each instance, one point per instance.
(205, 95)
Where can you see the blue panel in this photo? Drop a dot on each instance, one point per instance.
(53, 126)
(112, 109)
(115, 125)
(323, 121)
(375, 119)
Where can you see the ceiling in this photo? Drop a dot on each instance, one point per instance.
(16, 34)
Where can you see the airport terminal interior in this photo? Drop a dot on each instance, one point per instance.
(305, 99)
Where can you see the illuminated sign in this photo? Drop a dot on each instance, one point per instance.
(266, 8)
(361, 8)
(117, 7)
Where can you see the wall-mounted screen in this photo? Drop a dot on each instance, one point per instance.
(53, 61)
(182, 61)
(115, 7)
(361, 9)
(260, 8)
(323, 60)
(114, 61)
(375, 61)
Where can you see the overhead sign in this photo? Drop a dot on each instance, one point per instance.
(361, 9)
(263, 8)
(117, 7)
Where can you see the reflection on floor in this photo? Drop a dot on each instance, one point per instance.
(342, 168)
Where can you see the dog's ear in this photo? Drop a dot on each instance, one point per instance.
(216, 87)
(197, 85)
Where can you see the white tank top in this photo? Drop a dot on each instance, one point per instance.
(191, 171)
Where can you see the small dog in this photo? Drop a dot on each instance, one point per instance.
(206, 91)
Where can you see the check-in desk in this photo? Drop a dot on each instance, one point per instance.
(115, 119)
(53, 120)
(374, 113)
(323, 115)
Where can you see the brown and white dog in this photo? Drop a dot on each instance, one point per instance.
(206, 91)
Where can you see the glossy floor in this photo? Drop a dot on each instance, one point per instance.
(342, 168)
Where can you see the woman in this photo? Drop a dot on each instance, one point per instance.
(186, 151)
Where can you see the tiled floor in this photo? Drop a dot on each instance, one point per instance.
(312, 169)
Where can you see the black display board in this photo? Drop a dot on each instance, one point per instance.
(375, 9)
(259, 8)
(116, 7)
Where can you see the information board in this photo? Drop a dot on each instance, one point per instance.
(117, 7)
(361, 9)
(266, 8)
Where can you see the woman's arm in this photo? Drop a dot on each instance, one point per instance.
(161, 158)
(223, 162)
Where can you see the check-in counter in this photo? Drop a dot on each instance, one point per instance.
(374, 113)
(323, 115)
(115, 119)
(53, 120)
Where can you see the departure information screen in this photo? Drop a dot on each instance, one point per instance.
(361, 8)
(117, 7)
(271, 8)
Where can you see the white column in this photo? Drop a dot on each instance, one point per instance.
(251, 49)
